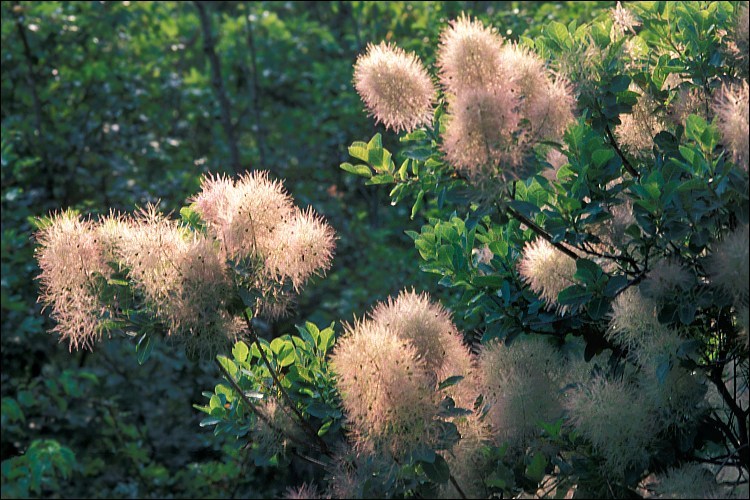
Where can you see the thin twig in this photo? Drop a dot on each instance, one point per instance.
(288, 400)
(626, 163)
(541, 232)
(254, 409)
(261, 133)
(455, 485)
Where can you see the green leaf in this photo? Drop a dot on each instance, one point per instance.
(380, 179)
(489, 280)
(573, 295)
(359, 151)
(602, 156)
(228, 365)
(240, 351)
(417, 203)
(694, 127)
(614, 285)
(423, 453)
(327, 339)
(144, 348)
(209, 421)
(450, 381)
(559, 33)
(597, 308)
(437, 471)
(535, 469)
(587, 271)
(215, 402)
(619, 83)
(525, 208)
(376, 142)
(247, 298)
(191, 217)
(117, 282)
(360, 169)
(313, 329)
(324, 428)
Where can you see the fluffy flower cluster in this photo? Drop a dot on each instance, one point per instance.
(387, 392)
(731, 108)
(689, 100)
(469, 56)
(306, 491)
(468, 460)
(728, 264)
(256, 222)
(388, 368)
(72, 260)
(611, 415)
(502, 100)
(687, 481)
(394, 86)
(667, 279)
(633, 319)
(547, 270)
(181, 275)
(739, 43)
(637, 129)
(520, 383)
(623, 21)
(182, 278)
(428, 327)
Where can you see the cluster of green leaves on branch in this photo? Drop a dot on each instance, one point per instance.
(624, 237)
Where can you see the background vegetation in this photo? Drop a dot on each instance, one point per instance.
(111, 104)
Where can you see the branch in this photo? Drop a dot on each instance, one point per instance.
(218, 85)
(260, 136)
(455, 485)
(263, 417)
(626, 163)
(541, 232)
(288, 400)
(716, 378)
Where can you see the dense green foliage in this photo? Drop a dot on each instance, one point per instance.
(116, 104)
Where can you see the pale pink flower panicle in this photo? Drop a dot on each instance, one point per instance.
(302, 246)
(395, 87)
(547, 104)
(386, 391)
(428, 327)
(547, 270)
(183, 279)
(691, 480)
(71, 260)
(519, 381)
(469, 56)
(731, 108)
(255, 221)
(624, 21)
(728, 264)
(637, 129)
(244, 214)
(615, 420)
(556, 159)
(479, 136)
(306, 491)
(633, 319)
(667, 279)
